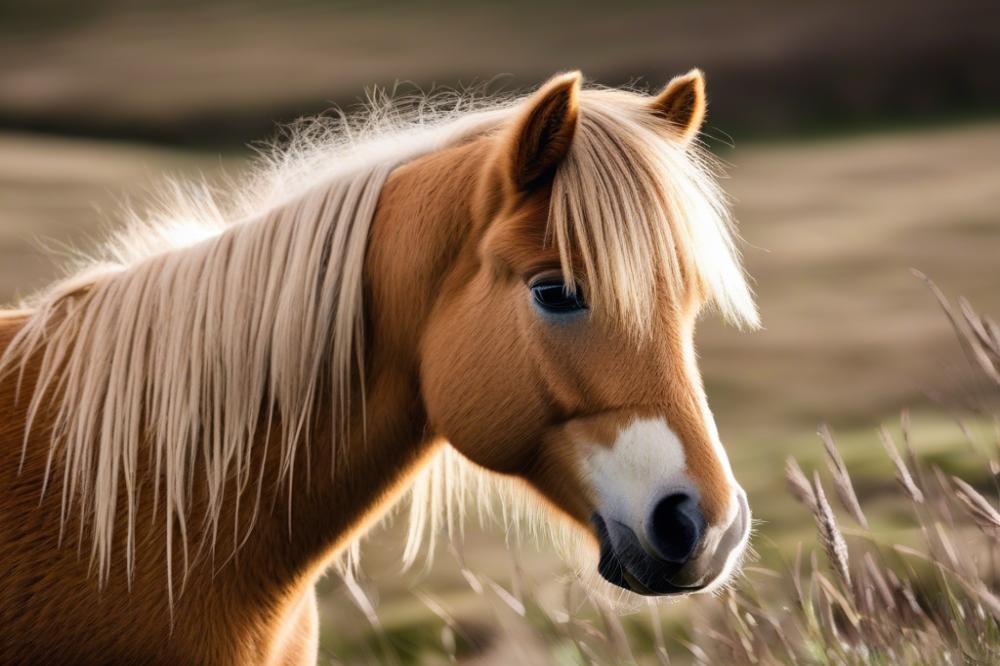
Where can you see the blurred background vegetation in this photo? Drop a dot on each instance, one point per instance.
(862, 139)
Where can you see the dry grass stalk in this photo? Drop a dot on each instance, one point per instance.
(946, 546)
(366, 605)
(797, 577)
(988, 599)
(956, 323)
(835, 596)
(943, 493)
(780, 633)
(841, 477)
(700, 656)
(743, 633)
(879, 583)
(798, 484)
(905, 591)
(984, 328)
(911, 455)
(903, 475)
(451, 630)
(904, 427)
(828, 624)
(830, 535)
(659, 642)
(985, 515)
(614, 630)
(982, 340)
(975, 345)
(509, 599)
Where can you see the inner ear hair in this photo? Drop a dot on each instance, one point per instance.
(682, 103)
(544, 132)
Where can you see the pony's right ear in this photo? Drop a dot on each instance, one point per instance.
(543, 131)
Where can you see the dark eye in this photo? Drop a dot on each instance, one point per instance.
(552, 295)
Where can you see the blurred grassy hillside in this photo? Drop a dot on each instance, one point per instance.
(222, 72)
(862, 140)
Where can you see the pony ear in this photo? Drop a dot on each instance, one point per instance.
(544, 131)
(682, 103)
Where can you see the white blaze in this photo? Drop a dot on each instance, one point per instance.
(646, 463)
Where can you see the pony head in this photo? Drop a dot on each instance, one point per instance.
(560, 347)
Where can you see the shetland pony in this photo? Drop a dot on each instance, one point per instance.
(193, 429)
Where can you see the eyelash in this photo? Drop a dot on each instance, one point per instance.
(552, 295)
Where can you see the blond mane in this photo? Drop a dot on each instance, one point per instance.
(211, 316)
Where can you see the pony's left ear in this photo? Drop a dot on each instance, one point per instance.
(682, 104)
(543, 132)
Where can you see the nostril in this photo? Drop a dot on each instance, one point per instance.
(675, 527)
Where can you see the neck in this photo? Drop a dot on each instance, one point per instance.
(391, 439)
(306, 518)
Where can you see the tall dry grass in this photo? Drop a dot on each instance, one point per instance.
(856, 595)
(869, 599)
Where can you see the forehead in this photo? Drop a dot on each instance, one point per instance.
(523, 241)
(519, 238)
(634, 216)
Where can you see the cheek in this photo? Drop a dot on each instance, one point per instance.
(558, 474)
(478, 384)
(589, 364)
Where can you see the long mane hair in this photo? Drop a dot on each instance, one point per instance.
(209, 317)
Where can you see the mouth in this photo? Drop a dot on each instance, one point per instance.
(625, 563)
